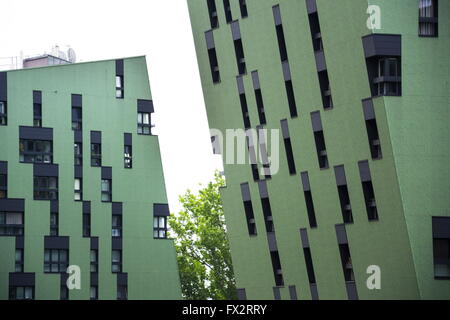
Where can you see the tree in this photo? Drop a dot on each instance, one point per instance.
(203, 250)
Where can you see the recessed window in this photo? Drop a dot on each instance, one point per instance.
(77, 118)
(96, 155)
(35, 151)
(160, 227)
(227, 7)
(106, 190)
(143, 123)
(86, 225)
(64, 292)
(94, 293)
(346, 261)
(369, 194)
(238, 48)
(54, 224)
(128, 157)
(78, 153)
(94, 261)
(441, 247)
(116, 226)
(78, 194)
(251, 223)
(116, 257)
(122, 292)
(56, 260)
(19, 260)
(428, 18)
(3, 186)
(37, 115)
(212, 11)
(3, 114)
(119, 87)
(21, 293)
(319, 138)
(243, 7)
(308, 200)
(276, 266)
(388, 81)
(212, 55)
(45, 188)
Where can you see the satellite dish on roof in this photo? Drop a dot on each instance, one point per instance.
(72, 56)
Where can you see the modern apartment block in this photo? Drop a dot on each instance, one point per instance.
(81, 184)
(362, 109)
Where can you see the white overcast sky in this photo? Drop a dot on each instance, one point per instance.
(159, 29)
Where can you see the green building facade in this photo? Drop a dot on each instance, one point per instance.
(82, 185)
(362, 107)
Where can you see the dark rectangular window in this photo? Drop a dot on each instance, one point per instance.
(96, 154)
(239, 50)
(248, 208)
(128, 156)
(309, 265)
(372, 129)
(3, 114)
(21, 293)
(77, 118)
(122, 292)
(213, 62)
(441, 247)
(325, 89)
(251, 224)
(86, 225)
(212, 12)
(144, 125)
(106, 190)
(35, 151)
(37, 115)
(280, 33)
(64, 292)
(316, 34)
(288, 147)
(428, 18)
(3, 186)
(116, 260)
(11, 223)
(160, 227)
(45, 188)
(54, 224)
(56, 260)
(243, 7)
(388, 82)
(116, 226)
(259, 98)
(243, 101)
(346, 261)
(94, 293)
(119, 87)
(78, 189)
(78, 153)
(19, 260)
(441, 254)
(94, 261)
(277, 271)
(227, 8)
(37, 108)
(308, 200)
(344, 198)
(369, 194)
(319, 139)
(291, 98)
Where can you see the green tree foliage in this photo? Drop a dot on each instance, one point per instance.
(203, 250)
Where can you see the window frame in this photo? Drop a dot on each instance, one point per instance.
(96, 155)
(158, 228)
(128, 156)
(4, 113)
(11, 230)
(61, 265)
(41, 190)
(117, 263)
(24, 151)
(142, 125)
(106, 192)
